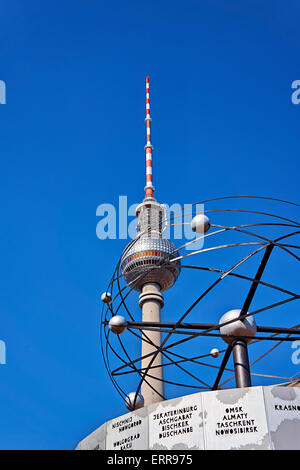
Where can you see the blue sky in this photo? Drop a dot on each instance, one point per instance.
(72, 137)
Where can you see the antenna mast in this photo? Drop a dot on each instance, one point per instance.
(149, 188)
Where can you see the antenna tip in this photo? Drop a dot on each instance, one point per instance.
(147, 79)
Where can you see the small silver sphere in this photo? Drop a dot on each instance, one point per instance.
(200, 223)
(246, 327)
(215, 352)
(134, 401)
(106, 297)
(117, 324)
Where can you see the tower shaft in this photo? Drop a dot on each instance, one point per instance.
(151, 301)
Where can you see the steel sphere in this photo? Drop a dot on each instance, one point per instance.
(134, 401)
(215, 353)
(106, 297)
(247, 327)
(117, 324)
(200, 223)
(148, 259)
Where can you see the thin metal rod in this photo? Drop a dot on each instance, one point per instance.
(205, 326)
(240, 348)
(254, 284)
(243, 210)
(214, 335)
(243, 312)
(222, 367)
(177, 343)
(237, 197)
(240, 276)
(236, 265)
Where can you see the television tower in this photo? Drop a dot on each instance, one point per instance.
(146, 267)
(150, 265)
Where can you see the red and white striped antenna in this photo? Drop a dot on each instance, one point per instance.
(149, 188)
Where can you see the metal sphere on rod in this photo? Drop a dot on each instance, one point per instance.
(134, 401)
(215, 353)
(245, 327)
(200, 223)
(106, 297)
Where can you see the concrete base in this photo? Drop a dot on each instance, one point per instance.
(240, 418)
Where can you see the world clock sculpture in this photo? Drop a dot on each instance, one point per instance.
(151, 265)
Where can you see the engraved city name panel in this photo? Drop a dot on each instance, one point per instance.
(283, 414)
(235, 419)
(176, 424)
(247, 418)
(128, 432)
